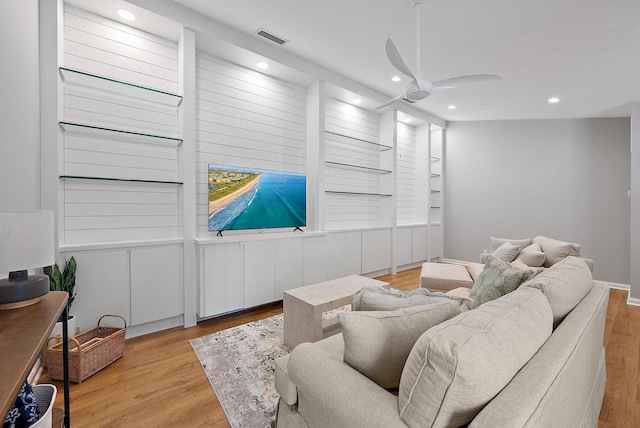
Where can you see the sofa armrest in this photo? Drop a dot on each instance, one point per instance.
(331, 393)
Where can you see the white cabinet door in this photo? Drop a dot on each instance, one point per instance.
(102, 286)
(156, 283)
(418, 244)
(435, 242)
(314, 253)
(376, 250)
(288, 265)
(403, 246)
(258, 261)
(352, 253)
(221, 288)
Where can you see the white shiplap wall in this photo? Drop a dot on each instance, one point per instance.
(406, 196)
(110, 210)
(246, 119)
(360, 205)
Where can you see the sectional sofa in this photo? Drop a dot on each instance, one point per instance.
(531, 358)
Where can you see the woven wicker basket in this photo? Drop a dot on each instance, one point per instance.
(89, 352)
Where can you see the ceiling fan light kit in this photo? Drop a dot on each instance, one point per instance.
(420, 88)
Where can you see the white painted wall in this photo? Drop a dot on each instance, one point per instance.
(566, 179)
(634, 292)
(20, 111)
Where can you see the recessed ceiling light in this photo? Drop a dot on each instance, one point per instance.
(396, 78)
(125, 14)
(357, 101)
(554, 100)
(262, 65)
(451, 107)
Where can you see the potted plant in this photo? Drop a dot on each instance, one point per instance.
(63, 281)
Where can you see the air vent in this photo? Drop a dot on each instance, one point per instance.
(267, 35)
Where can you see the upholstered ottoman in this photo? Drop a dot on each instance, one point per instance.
(444, 277)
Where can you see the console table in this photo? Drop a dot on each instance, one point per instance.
(23, 334)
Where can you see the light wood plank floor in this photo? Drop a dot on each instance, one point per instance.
(159, 381)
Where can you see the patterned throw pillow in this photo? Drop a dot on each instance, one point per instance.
(25, 410)
(386, 298)
(497, 279)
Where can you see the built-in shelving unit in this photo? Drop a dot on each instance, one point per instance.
(357, 167)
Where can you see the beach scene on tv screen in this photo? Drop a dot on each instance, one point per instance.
(250, 198)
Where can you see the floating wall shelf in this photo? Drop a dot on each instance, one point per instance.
(357, 167)
(332, 192)
(119, 87)
(344, 139)
(137, 137)
(123, 180)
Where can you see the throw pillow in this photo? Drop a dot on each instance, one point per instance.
(532, 255)
(496, 242)
(497, 279)
(377, 343)
(555, 250)
(386, 298)
(564, 285)
(458, 366)
(506, 252)
(25, 411)
(517, 263)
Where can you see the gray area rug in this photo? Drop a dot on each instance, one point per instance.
(239, 363)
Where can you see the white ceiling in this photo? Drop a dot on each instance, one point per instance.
(586, 52)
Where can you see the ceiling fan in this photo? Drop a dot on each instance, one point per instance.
(420, 88)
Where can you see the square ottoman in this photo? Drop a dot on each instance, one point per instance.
(444, 276)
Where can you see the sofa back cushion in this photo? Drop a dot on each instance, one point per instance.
(555, 250)
(377, 343)
(457, 367)
(497, 242)
(564, 285)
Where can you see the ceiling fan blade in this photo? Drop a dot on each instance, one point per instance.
(456, 82)
(391, 101)
(397, 60)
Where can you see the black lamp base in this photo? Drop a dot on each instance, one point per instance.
(17, 293)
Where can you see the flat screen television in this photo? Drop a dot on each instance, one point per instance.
(252, 198)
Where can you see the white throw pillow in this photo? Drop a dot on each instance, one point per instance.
(532, 255)
(377, 343)
(555, 250)
(506, 252)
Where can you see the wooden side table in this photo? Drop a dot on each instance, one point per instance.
(303, 307)
(23, 334)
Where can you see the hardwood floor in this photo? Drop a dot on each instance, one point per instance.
(159, 381)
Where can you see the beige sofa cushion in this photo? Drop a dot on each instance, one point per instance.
(532, 255)
(458, 366)
(377, 343)
(444, 276)
(555, 250)
(564, 285)
(387, 298)
(497, 279)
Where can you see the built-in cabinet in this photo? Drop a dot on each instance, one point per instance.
(256, 270)
(127, 147)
